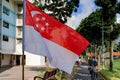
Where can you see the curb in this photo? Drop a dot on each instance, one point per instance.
(102, 76)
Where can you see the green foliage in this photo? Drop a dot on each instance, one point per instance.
(61, 74)
(59, 9)
(117, 64)
(109, 10)
(112, 75)
(37, 4)
(90, 27)
(118, 8)
(116, 32)
(41, 73)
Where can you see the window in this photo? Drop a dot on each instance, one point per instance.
(19, 16)
(20, 7)
(2, 56)
(0, 22)
(19, 41)
(5, 38)
(5, 11)
(13, 57)
(7, 0)
(19, 29)
(5, 24)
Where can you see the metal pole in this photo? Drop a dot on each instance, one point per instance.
(102, 43)
(24, 11)
(23, 66)
(0, 60)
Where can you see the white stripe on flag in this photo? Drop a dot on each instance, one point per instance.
(59, 56)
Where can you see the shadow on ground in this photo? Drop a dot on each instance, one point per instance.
(2, 69)
(36, 68)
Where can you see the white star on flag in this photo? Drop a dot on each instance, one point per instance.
(47, 24)
(43, 18)
(42, 28)
(37, 19)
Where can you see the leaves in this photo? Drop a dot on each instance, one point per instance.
(90, 27)
(60, 9)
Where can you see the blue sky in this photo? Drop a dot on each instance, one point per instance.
(85, 8)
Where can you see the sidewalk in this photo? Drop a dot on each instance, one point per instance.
(15, 73)
(83, 73)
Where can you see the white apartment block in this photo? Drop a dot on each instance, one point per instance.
(11, 36)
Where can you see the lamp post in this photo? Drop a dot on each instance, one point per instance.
(102, 43)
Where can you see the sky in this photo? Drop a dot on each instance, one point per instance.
(85, 8)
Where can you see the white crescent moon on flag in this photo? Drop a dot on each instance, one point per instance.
(34, 13)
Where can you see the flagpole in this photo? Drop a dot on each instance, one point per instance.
(23, 66)
(24, 9)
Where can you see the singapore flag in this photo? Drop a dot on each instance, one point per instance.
(46, 36)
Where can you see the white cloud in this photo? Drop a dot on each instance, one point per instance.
(31, 1)
(87, 8)
(118, 20)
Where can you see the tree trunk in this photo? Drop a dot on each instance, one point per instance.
(99, 59)
(0, 60)
(111, 56)
(99, 56)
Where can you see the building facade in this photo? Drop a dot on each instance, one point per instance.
(7, 32)
(11, 36)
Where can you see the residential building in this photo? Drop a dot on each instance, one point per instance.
(11, 12)
(7, 32)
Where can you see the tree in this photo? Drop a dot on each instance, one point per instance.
(59, 9)
(90, 27)
(109, 10)
(117, 47)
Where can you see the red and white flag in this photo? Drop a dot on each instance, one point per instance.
(46, 36)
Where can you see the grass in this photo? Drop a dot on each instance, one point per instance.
(117, 64)
(112, 75)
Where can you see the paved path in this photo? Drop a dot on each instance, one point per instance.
(15, 73)
(83, 73)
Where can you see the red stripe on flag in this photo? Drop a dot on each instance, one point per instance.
(54, 30)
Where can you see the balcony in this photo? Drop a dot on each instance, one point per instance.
(20, 11)
(19, 22)
(19, 36)
(17, 1)
(19, 33)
